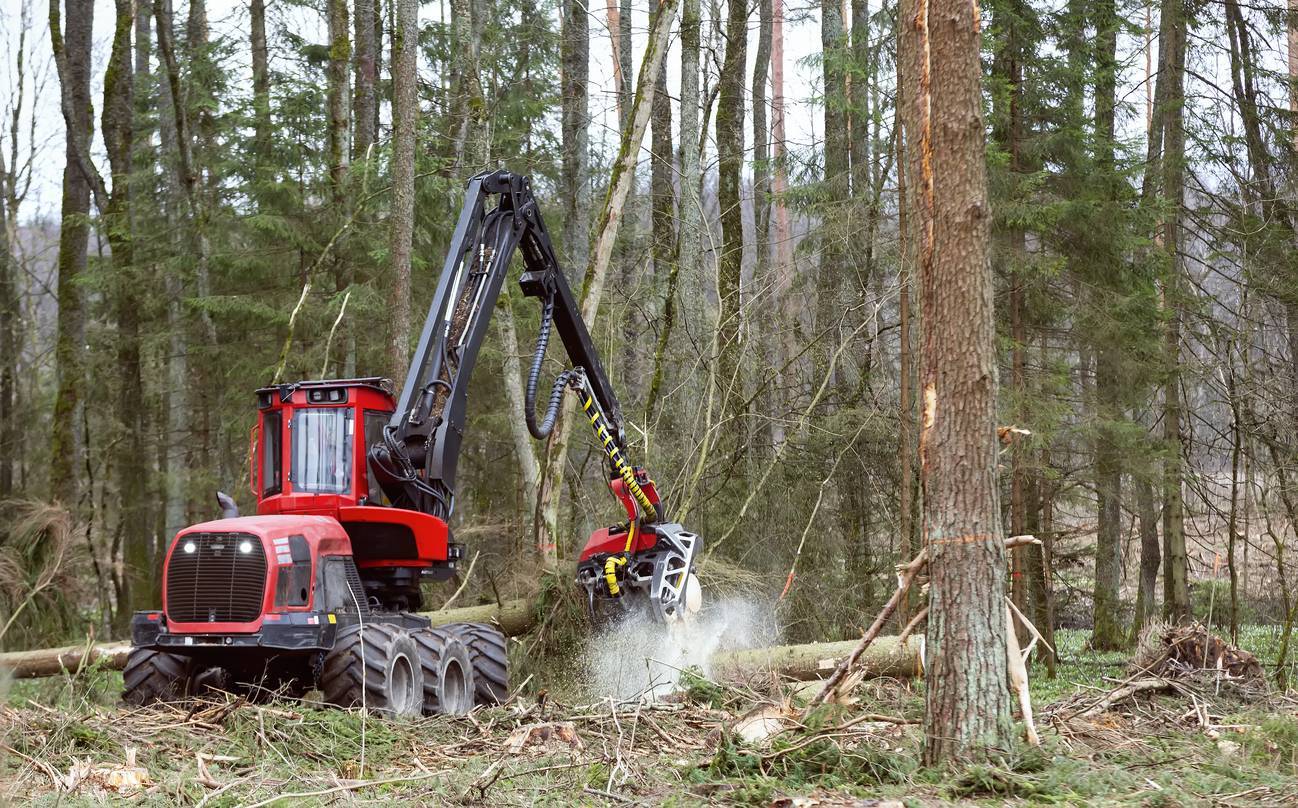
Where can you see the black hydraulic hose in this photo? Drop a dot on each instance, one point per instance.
(542, 430)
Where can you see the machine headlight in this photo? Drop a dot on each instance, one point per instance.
(245, 546)
(189, 547)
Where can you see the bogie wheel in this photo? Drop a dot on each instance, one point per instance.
(375, 666)
(490, 658)
(448, 672)
(152, 676)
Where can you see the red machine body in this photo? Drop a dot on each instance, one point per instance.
(264, 550)
(612, 540)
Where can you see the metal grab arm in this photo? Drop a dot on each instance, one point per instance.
(416, 462)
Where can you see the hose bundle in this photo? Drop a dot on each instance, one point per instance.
(542, 430)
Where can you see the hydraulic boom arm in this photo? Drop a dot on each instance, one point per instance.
(415, 463)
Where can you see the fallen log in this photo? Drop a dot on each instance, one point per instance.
(53, 661)
(513, 617)
(886, 657)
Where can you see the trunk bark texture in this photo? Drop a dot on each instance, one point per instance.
(365, 78)
(730, 160)
(405, 112)
(260, 79)
(131, 465)
(72, 54)
(664, 236)
(835, 180)
(574, 56)
(966, 702)
(1171, 46)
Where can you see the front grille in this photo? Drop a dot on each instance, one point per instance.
(216, 582)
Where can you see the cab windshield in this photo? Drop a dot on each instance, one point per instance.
(322, 450)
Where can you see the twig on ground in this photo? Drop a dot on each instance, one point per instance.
(608, 795)
(352, 786)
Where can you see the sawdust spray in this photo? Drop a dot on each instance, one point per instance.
(638, 658)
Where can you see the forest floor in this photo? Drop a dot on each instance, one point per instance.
(65, 742)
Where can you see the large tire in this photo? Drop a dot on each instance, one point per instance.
(375, 666)
(490, 657)
(155, 676)
(448, 672)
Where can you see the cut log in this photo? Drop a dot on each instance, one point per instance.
(514, 617)
(885, 657)
(53, 661)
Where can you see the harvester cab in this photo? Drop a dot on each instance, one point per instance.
(355, 488)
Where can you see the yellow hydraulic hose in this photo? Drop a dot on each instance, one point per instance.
(610, 574)
(615, 457)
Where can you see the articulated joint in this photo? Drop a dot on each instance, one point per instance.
(610, 574)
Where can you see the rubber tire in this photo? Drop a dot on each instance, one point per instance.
(448, 672)
(386, 678)
(155, 676)
(490, 657)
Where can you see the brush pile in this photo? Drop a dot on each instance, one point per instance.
(1193, 652)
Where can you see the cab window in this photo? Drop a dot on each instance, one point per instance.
(271, 457)
(322, 450)
(375, 421)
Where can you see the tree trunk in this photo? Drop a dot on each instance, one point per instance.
(905, 373)
(1232, 521)
(886, 657)
(688, 258)
(405, 111)
(1108, 633)
(664, 236)
(1011, 239)
(966, 702)
(1150, 555)
(1176, 591)
(862, 126)
(74, 236)
(575, 63)
(835, 181)
(198, 387)
(730, 160)
(339, 93)
(260, 79)
(783, 247)
(9, 445)
(173, 467)
(473, 138)
(365, 99)
(761, 148)
(130, 461)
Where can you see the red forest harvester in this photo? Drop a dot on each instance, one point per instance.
(320, 588)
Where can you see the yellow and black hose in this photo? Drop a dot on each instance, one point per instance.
(615, 457)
